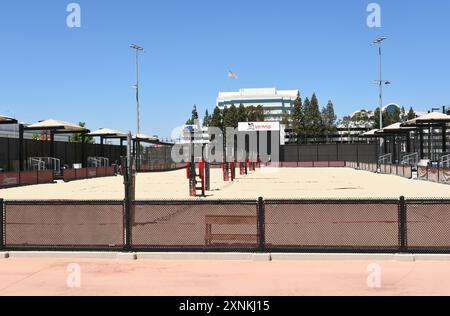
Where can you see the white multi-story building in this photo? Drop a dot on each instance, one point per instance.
(275, 102)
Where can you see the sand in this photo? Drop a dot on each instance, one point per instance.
(282, 183)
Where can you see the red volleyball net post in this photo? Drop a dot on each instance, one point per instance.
(192, 179)
(233, 171)
(202, 177)
(226, 171)
(197, 180)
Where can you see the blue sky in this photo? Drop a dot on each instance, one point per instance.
(323, 46)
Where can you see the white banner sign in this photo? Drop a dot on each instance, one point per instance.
(259, 126)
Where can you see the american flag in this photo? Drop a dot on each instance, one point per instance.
(232, 75)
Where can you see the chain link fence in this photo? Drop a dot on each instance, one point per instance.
(360, 226)
(53, 225)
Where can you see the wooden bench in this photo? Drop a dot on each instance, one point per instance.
(229, 220)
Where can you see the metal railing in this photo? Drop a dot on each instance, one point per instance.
(385, 159)
(45, 163)
(98, 162)
(36, 164)
(445, 161)
(410, 159)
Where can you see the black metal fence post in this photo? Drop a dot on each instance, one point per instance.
(403, 227)
(2, 213)
(261, 225)
(207, 176)
(129, 182)
(127, 224)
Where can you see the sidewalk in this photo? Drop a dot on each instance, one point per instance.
(20, 276)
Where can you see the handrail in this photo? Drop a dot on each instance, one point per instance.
(385, 159)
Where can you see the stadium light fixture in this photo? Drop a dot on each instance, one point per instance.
(379, 40)
(138, 49)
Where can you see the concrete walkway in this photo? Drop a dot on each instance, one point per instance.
(207, 276)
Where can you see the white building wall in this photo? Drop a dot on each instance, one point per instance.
(275, 102)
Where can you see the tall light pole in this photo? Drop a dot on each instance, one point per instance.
(378, 42)
(138, 49)
(380, 83)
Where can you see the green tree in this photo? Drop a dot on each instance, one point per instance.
(329, 118)
(230, 117)
(403, 115)
(394, 117)
(389, 118)
(80, 137)
(286, 119)
(298, 119)
(313, 118)
(216, 119)
(376, 122)
(194, 116)
(305, 124)
(411, 114)
(251, 114)
(242, 114)
(260, 117)
(207, 119)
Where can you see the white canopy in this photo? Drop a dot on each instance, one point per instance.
(370, 133)
(107, 132)
(6, 119)
(59, 126)
(394, 128)
(144, 137)
(429, 118)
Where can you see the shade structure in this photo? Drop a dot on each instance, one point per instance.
(371, 133)
(431, 121)
(7, 120)
(146, 138)
(54, 127)
(396, 128)
(434, 118)
(108, 133)
(57, 126)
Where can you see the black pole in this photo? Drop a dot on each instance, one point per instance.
(21, 158)
(430, 140)
(52, 144)
(444, 138)
(357, 155)
(261, 225)
(207, 168)
(129, 182)
(394, 149)
(138, 155)
(102, 146)
(121, 147)
(421, 142)
(408, 143)
(83, 151)
(9, 155)
(403, 238)
(2, 245)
